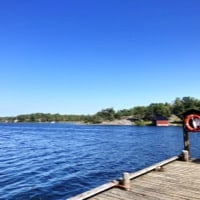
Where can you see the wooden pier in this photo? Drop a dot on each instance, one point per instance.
(171, 179)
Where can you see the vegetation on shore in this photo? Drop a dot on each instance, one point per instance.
(139, 114)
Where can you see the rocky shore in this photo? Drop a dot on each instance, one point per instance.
(173, 121)
(118, 122)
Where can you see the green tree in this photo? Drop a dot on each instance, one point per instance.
(158, 109)
(106, 114)
(139, 112)
(182, 105)
(178, 107)
(123, 113)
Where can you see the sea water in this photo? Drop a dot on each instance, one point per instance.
(43, 161)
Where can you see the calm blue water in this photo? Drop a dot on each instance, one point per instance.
(57, 161)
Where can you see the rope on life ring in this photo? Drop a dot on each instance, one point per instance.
(192, 122)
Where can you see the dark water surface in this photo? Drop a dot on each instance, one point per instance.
(57, 161)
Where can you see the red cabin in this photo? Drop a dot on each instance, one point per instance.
(160, 121)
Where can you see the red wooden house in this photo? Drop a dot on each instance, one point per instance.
(160, 121)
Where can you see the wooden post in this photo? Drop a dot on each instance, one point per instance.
(186, 140)
(185, 155)
(126, 180)
(186, 151)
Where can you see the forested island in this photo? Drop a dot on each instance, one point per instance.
(139, 115)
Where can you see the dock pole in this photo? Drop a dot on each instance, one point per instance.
(126, 180)
(186, 151)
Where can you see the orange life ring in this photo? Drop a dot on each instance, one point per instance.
(192, 122)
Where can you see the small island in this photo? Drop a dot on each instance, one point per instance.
(139, 115)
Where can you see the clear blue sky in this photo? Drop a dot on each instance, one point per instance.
(81, 56)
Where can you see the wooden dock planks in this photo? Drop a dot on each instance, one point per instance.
(178, 180)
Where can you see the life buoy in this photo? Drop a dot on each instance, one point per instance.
(192, 123)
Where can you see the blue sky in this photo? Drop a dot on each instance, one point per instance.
(78, 57)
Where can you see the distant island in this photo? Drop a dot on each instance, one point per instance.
(139, 115)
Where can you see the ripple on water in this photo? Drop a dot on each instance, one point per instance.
(56, 161)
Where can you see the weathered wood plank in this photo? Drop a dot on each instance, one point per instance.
(129, 194)
(93, 191)
(176, 186)
(148, 169)
(178, 180)
(152, 193)
(167, 189)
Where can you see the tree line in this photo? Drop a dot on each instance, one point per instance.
(138, 113)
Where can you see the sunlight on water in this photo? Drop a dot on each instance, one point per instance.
(57, 161)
